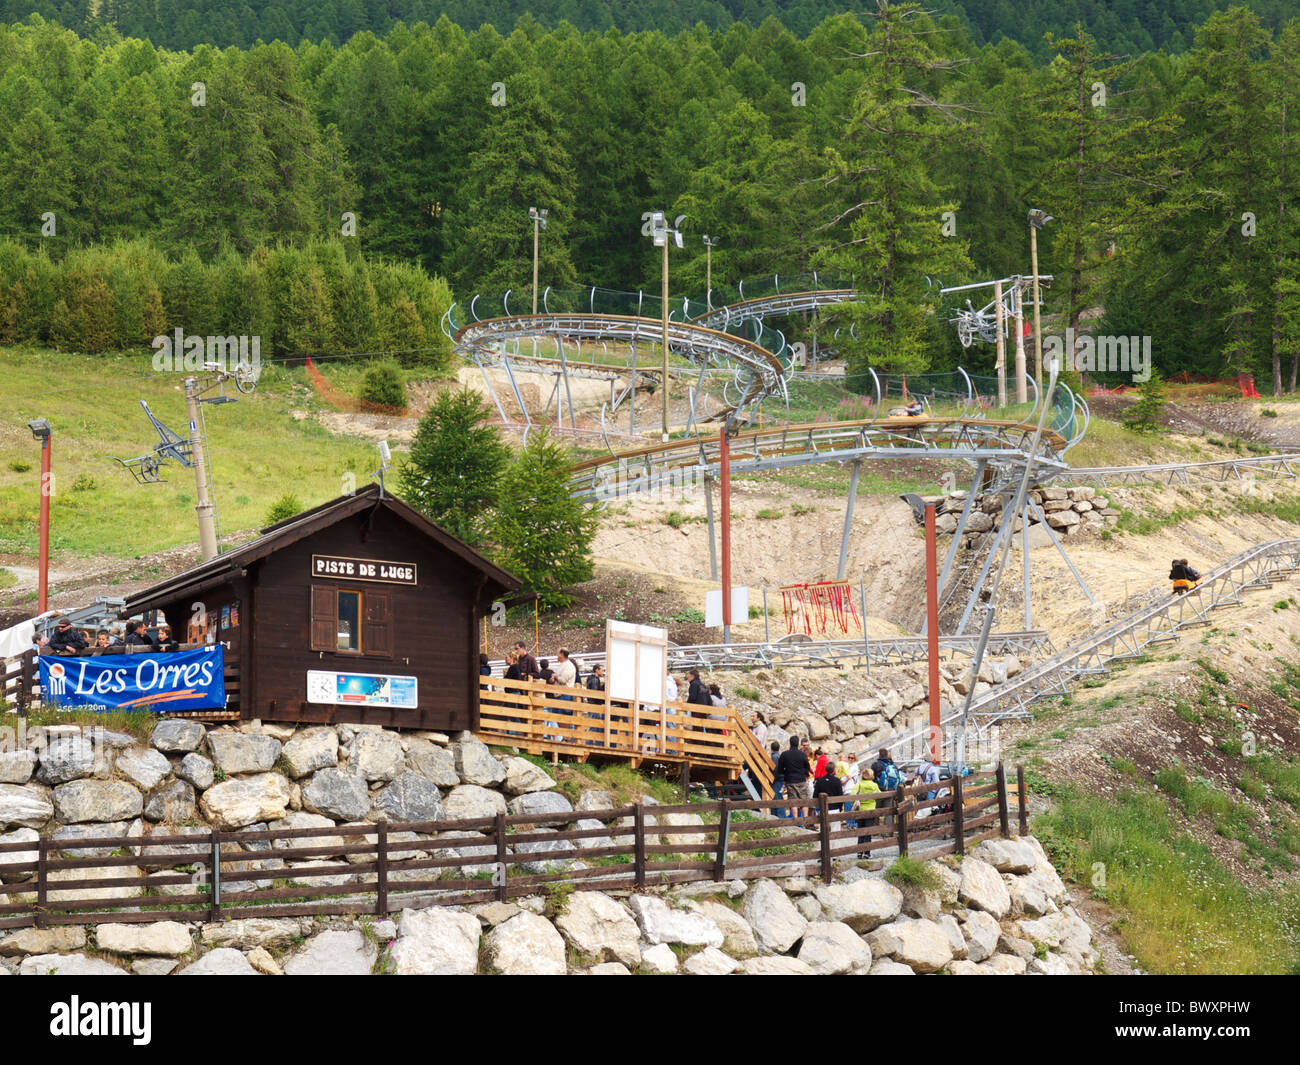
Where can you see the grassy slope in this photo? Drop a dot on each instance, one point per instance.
(258, 453)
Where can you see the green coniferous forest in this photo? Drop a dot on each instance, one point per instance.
(338, 187)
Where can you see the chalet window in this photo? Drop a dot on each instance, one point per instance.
(349, 621)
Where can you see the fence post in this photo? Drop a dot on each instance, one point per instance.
(42, 880)
(26, 678)
(638, 819)
(724, 838)
(503, 888)
(381, 874)
(214, 914)
(900, 811)
(1022, 797)
(823, 814)
(1004, 813)
(958, 814)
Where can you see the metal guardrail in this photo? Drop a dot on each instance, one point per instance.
(880, 651)
(1243, 469)
(1126, 638)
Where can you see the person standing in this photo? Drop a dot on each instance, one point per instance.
(699, 691)
(888, 778)
(794, 769)
(865, 786)
(528, 668)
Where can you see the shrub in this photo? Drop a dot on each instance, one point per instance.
(283, 509)
(384, 385)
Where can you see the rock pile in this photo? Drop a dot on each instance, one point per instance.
(1069, 511)
(1001, 910)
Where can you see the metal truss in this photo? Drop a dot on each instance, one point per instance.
(773, 306)
(1186, 473)
(831, 654)
(1158, 622)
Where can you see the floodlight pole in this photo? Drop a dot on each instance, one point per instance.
(203, 507)
(1022, 390)
(41, 430)
(1037, 219)
(724, 468)
(664, 301)
(932, 617)
(1002, 344)
(536, 224)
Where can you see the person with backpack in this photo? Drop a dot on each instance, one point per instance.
(888, 778)
(795, 770)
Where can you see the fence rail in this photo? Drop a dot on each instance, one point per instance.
(214, 876)
(543, 719)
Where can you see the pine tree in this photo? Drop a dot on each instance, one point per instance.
(456, 466)
(544, 534)
(890, 197)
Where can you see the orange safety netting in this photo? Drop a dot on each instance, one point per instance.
(810, 607)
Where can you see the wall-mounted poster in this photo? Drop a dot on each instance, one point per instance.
(362, 689)
(234, 614)
(225, 618)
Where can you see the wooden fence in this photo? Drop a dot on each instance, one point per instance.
(209, 875)
(541, 718)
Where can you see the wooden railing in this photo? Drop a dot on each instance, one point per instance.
(361, 869)
(542, 718)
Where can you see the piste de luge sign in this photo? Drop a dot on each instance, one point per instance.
(362, 569)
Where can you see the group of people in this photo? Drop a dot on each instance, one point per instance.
(1185, 578)
(801, 772)
(69, 641)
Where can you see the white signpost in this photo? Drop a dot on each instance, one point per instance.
(713, 607)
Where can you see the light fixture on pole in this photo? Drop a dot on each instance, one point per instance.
(709, 244)
(660, 231)
(539, 222)
(1037, 219)
(925, 513)
(41, 431)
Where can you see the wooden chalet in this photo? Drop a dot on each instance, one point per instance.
(358, 611)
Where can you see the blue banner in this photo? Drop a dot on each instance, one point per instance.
(177, 680)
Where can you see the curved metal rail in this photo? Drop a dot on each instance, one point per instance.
(1243, 469)
(1125, 638)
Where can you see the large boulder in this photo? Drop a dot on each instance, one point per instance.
(197, 770)
(224, 961)
(982, 933)
(11, 860)
(62, 939)
(66, 758)
(310, 750)
(775, 966)
(659, 923)
(24, 807)
(475, 764)
(436, 763)
(245, 933)
(302, 821)
(540, 802)
(982, 888)
(563, 851)
(173, 802)
(67, 965)
(659, 959)
(523, 776)
(436, 942)
(411, 797)
(1007, 855)
(334, 954)
(97, 800)
(17, 767)
(862, 905)
(114, 872)
(1063, 931)
(237, 752)
(595, 800)
(597, 926)
(168, 938)
(921, 945)
(337, 794)
(98, 830)
(235, 804)
(470, 801)
(177, 737)
(526, 945)
(830, 948)
(710, 962)
(146, 769)
(377, 755)
(777, 925)
(737, 937)
(167, 855)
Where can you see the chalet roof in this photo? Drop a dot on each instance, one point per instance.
(220, 569)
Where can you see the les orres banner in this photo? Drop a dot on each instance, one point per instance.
(177, 680)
